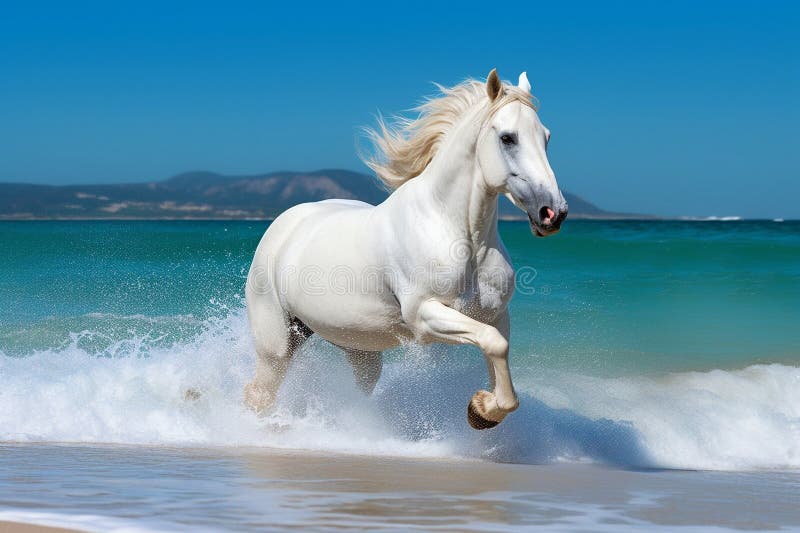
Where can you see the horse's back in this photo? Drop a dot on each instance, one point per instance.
(341, 202)
(300, 218)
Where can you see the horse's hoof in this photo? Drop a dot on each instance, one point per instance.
(477, 421)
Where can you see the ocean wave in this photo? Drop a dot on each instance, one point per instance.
(712, 219)
(721, 419)
(81, 522)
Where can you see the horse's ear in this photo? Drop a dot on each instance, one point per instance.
(493, 86)
(524, 84)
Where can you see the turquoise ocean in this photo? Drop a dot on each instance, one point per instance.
(635, 343)
(657, 364)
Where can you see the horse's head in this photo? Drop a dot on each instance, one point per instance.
(512, 153)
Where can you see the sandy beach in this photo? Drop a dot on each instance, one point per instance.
(114, 488)
(18, 527)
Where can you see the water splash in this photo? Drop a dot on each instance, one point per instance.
(134, 391)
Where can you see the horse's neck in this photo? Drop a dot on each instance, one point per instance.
(454, 179)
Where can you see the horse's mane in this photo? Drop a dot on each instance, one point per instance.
(404, 149)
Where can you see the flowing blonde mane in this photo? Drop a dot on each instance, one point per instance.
(404, 149)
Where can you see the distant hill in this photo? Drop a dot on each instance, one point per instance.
(206, 195)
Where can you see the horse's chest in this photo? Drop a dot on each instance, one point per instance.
(488, 286)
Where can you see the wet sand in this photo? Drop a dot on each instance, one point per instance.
(103, 488)
(17, 527)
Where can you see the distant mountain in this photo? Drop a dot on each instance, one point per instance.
(204, 195)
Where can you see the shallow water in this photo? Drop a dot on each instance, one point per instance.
(635, 344)
(108, 488)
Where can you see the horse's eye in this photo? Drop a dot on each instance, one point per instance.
(508, 139)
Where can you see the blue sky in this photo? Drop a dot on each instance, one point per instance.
(674, 108)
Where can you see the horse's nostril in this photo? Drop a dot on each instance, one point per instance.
(546, 215)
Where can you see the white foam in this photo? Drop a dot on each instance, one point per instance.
(81, 522)
(70, 395)
(742, 419)
(712, 219)
(723, 420)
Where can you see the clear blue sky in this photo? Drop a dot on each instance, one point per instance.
(674, 108)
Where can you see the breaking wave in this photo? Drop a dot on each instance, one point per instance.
(721, 419)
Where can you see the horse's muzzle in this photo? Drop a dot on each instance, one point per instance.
(547, 221)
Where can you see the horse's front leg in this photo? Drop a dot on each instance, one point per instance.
(441, 323)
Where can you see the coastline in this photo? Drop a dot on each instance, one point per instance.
(503, 218)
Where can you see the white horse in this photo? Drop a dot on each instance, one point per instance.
(426, 265)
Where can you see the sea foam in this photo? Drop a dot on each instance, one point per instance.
(722, 419)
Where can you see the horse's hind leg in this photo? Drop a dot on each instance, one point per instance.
(277, 337)
(366, 368)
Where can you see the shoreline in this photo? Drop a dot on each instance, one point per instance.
(10, 526)
(268, 488)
